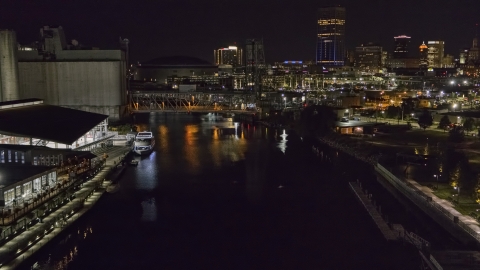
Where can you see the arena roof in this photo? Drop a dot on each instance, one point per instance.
(46, 122)
(177, 61)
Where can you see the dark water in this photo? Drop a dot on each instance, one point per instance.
(225, 196)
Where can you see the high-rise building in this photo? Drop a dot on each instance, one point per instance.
(401, 47)
(331, 36)
(423, 55)
(228, 56)
(474, 52)
(435, 53)
(368, 57)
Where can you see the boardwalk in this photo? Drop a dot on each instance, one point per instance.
(388, 233)
(27, 243)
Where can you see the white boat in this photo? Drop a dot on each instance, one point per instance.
(144, 143)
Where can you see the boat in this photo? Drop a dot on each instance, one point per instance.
(134, 163)
(144, 143)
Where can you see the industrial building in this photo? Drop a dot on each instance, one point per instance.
(8, 66)
(65, 73)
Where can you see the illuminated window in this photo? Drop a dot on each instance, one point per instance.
(9, 156)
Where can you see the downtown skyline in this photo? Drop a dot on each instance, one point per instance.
(288, 29)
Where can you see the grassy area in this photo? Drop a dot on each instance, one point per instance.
(466, 206)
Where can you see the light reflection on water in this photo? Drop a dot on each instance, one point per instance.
(149, 210)
(283, 142)
(66, 251)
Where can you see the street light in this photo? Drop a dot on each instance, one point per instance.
(452, 82)
(437, 175)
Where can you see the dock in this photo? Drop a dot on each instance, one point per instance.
(385, 229)
(26, 244)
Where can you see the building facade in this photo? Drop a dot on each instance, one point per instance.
(436, 50)
(401, 50)
(73, 76)
(423, 56)
(8, 66)
(228, 56)
(368, 57)
(331, 36)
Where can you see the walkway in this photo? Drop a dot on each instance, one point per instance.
(448, 206)
(387, 232)
(30, 241)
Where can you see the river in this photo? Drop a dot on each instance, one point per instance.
(225, 195)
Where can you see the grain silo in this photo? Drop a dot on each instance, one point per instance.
(9, 89)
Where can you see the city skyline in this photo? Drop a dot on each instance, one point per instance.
(288, 30)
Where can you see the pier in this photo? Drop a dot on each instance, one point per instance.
(24, 245)
(388, 233)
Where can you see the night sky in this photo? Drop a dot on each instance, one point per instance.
(196, 27)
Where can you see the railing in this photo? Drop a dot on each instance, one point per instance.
(425, 202)
(416, 196)
(7, 217)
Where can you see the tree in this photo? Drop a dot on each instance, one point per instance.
(425, 120)
(468, 125)
(444, 122)
(457, 135)
(393, 112)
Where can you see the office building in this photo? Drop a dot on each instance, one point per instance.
(474, 52)
(423, 56)
(331, 36)
(435, 54)
(228, 56)
(368, 57)
(401, 47)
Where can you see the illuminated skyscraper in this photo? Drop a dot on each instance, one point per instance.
(435, 54)
(423, 55)
(228, 56)
(331, 36)
(401, 47)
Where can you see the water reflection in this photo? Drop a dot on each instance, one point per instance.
(283, 142)
(146, 172)
(65, 252)
(191, 148)
(149, 210)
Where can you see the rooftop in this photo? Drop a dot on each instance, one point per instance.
(177, 61)
(10, 174)
(46, 122)
(69, 153)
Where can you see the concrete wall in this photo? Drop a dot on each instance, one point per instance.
(74, 55)
(9, 89)
(95, 86)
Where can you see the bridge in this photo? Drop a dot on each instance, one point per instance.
(147, 101)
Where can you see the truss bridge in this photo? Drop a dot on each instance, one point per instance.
(147, 101)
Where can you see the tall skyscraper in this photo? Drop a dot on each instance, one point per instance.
(401, 47)
(228, 56)
(423, 55)
(435, 54)
(331, 36)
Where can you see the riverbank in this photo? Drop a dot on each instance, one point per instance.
(31, 241)
(463, 228)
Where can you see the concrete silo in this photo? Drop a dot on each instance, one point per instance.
(9, 88)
